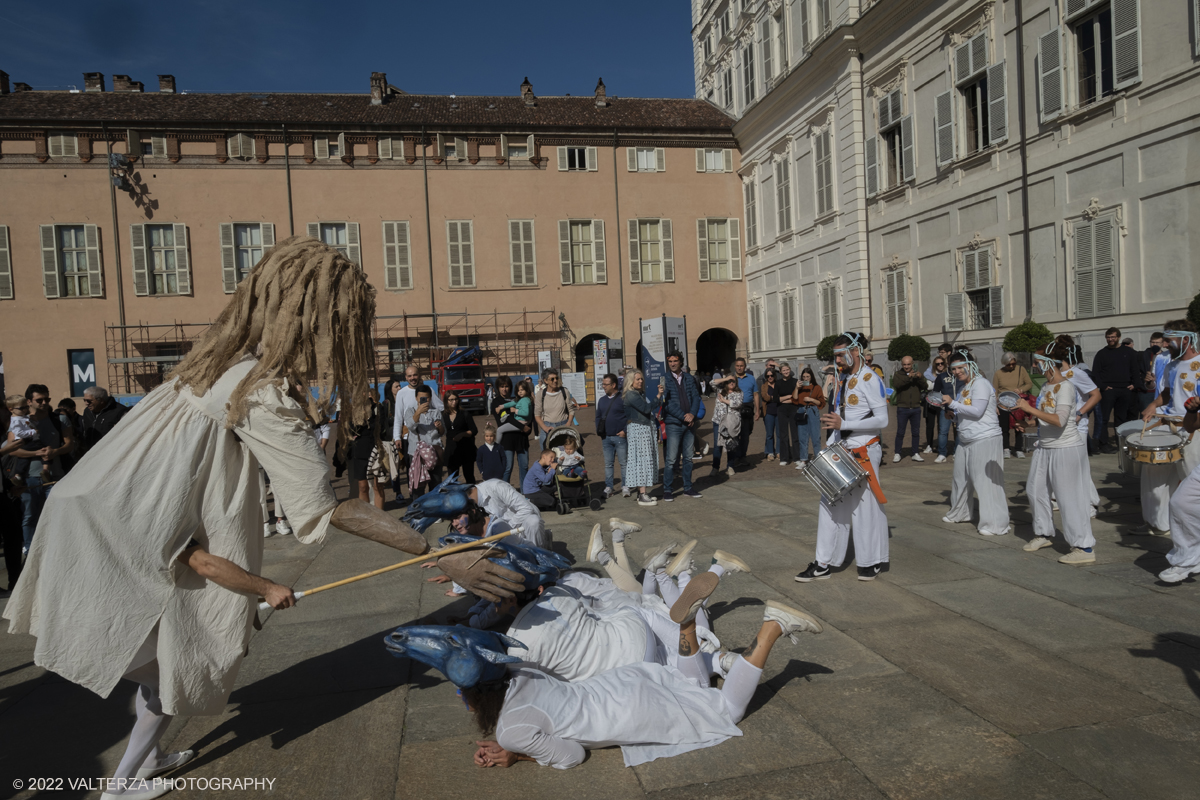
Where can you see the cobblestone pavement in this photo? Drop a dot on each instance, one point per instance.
(971, 669)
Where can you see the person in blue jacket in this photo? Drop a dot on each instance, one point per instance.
(681, 408)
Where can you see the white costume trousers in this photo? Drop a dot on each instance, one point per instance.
(738, 689)
(979, 466)
(1159, 482)
(1057, 471)
(1185, 522)
(621, 571)
(859, 512)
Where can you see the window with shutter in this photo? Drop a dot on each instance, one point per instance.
(749, 89)
(789, 317)
(158, 146)
(521, 252)
(756, 329)
(653, 237)
(6, 283)
(461, 253)
(321, 147)
(397, 259)
(71, 261)
(751, 214)
(896, 294)
(830, 323)
(702, 247)
(943, 116)
(872, 163)
(805, 24)
(635, 250)
(783, 194)
(1050, 80)
(599, 251)
(52, 282)
(823, 167)
(1095, 257)
(243, 245)
(63, 144)
(765, 45)
(1106, 39)
(976, 307)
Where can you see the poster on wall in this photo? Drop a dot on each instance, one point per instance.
(82, 365)
(544, 361)
(576, 384)
(599, 363)
(661, 335)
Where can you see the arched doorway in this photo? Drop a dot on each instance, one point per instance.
(715, 349)
(585, 363)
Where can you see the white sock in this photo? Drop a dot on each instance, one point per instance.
(718, 570)
(603, 557)
(618, 535)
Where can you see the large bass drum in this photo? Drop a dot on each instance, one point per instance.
(834, 472)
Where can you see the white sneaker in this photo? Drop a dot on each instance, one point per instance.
(783, 463)
(268, 531)
(1078, 556)
(692, 597)
(608, 492)
(595, 543)
(729, 562)
(917, 457)
(724, 663)
(626, 528)
(626, 493)
(1148, 530)
(896, 458)
(927, 449)
(683, 559)
(1020, 454)
(705, 451)
(940, 460)
(730, 472)
(1177, 574)
(1037, 543)
(1008, 454)
(792, 620)
(801, 464)
(952, 521)
(282, 527)
(657, 557)
(170, 761)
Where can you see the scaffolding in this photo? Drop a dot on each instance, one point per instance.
(141, 354)
(509, 340)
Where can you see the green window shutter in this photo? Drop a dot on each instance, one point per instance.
(91, 238)
(668, 252)
(599, 255)
(141, 260)
(229, 279)
(6, 286)
(635, 253)
(702, 247)
(564, 251)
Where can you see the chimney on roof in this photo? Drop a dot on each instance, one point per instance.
(601, 94)
(166, 83)
(379, 87)
(22, 87)
(93, 81)
(121, 83)
(3, 82)
(527, 93)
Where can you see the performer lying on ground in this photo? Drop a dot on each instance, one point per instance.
(145, 559)
(652, 711)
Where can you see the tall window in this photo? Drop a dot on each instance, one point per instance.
(460, 243)
(893, 163)
(1094, 57)
(823, 164)
(748, 86)
(789, 317)
(756, 325)
(1100, 55)
(783, 193)
(651, 251)
(727, 88)
(981, 303)
(397, 256)
(829, 310)
(781, 43)
(581, 251)
(980, 95)
(767, 47)
(161, 242)
(720, 249)
(249, 248)
(521, 251)
(751, 214)
(723, 23)
(72, 252)
(896, 298)
(1094, 250)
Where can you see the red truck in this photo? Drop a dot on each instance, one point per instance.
(462, 373)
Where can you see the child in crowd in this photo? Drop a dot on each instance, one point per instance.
(539, 482)
(18, 428)
(516, 421)
(570, 461)
(490, 456)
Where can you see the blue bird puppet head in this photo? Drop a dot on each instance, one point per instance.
(538, 566)
(467, 656)
(447, 500)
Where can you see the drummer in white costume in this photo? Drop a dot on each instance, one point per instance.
(1056, 467)
(979, 463)
(1178, 382)
(1090, 392)
(145, 557)
(859, 411)
(1184, 557)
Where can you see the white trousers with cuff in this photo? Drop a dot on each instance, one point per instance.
(979, 466)
(1057, 471)
(1185, 522)
(859, 512)
(1159, 482)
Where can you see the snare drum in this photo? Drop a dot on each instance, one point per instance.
(835, 472)
(1126, 464)
(1155, 447)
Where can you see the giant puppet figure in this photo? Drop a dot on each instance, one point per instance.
(145, 561)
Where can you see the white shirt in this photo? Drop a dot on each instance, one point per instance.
(102, 570)
(1085, 386)
(866, 407)
(974, 408)
(1181, 377)
(502, 501)
(406, 404)
(1062, 400)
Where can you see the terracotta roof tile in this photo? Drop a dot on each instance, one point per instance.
(342, 111)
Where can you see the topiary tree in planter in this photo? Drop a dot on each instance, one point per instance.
(1027, 337)
(825, 348)
(1194, 311)
(905, 345)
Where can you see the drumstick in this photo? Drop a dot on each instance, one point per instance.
(263, 605)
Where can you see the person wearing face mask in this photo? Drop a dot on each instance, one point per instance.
(1178, 383)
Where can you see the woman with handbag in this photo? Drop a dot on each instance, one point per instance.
(808, 398)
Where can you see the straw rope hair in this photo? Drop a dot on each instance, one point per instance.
(305, 311)
(1062, 348)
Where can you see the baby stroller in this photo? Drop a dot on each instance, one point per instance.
(571, 491)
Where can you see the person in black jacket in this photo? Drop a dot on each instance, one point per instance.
(460, 437)
(102, 415)
(1115, 369)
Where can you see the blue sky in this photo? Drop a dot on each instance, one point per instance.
(642, 49)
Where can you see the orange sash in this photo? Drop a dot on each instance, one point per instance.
(864, 460)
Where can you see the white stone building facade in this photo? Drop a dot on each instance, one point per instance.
(952, 169)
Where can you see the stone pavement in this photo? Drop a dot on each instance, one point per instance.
(971, 669)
